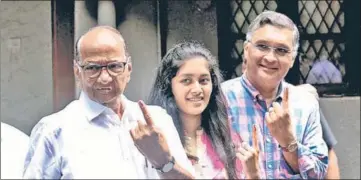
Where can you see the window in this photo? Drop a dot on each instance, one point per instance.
(326, 46)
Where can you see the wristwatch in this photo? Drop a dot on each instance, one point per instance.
(291, 147)
(167, 167)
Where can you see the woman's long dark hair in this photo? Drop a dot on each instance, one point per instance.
(214, 117)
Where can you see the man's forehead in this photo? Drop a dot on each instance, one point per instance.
(274, 33)
(104, 31)
(101, 41)
(101, 36)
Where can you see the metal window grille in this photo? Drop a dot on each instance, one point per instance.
(322, 25)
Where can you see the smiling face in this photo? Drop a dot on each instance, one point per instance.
(102, 47)
(192, 86)
(267, 68)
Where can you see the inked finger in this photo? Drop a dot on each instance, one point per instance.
(146, 113)
(254, 138)
(285, 98)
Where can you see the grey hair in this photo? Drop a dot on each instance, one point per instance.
(77, 56)
(275, 19)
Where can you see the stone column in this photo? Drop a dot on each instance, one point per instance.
(106, 13)
(84, 20)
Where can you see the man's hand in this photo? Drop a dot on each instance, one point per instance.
(279, 122)
(150, 140)
(249, 156)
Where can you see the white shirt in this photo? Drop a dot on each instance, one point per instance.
(88, 140)
(14, 146)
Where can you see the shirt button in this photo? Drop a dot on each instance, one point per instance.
(268, 140)
(270, 166)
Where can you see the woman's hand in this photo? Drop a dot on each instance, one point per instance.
(249, 157)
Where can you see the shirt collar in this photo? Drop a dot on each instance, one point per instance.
(94, 109)
(256, 94)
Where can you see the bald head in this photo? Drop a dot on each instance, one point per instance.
(99, 39)
(100, 47)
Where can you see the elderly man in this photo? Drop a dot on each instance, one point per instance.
(103, 134)
(291, 144)
(14, 145)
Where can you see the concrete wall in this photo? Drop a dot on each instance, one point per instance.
(343, 115)
(185, 22)
(139, 30)
(26, 62)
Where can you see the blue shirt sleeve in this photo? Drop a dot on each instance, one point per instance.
(41, 160)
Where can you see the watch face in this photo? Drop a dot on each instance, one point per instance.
(168, 167)
(292, 147)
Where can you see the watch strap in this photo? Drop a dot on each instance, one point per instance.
(163, 169)
(289, 147)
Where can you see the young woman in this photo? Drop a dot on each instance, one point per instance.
(187, 85)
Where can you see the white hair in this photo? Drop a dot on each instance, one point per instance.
(275, 19)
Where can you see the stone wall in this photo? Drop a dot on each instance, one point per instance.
(26, 62)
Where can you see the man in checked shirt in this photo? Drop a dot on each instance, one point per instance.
(290, 135)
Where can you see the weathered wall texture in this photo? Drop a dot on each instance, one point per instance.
(185, 22)
(139, 31)
(343, 115)
(26, 62)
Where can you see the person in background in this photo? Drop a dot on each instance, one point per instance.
(187, 85)
(14, 146)
(103, 135)
(324, 71)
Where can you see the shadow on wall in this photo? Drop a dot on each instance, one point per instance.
(92, 8)
(121, 10)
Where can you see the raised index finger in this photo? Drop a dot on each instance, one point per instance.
(146, 114)
(254, 138)
(285, 99)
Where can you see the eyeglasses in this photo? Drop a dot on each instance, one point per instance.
(281, 52)
(93, 70)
